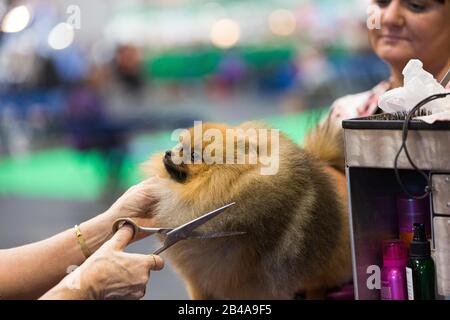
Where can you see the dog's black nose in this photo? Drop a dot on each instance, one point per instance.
(168, 154)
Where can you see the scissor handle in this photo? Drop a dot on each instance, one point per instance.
(121, 221)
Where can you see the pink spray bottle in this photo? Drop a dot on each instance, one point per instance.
(393, 273)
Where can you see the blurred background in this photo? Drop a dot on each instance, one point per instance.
(90, 89)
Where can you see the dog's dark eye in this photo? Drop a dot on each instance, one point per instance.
(195, 157)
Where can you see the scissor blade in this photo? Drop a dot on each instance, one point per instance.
(198, 236)
(185, 230)
(446, 79)
(155, 230)
(212, 235)
(158, 251)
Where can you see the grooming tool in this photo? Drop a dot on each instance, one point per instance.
(183, 232)
(446, 79)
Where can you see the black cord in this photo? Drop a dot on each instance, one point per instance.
(405, 130)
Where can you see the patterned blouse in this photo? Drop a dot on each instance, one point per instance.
(359, 105)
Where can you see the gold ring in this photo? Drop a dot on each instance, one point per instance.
(154, 261)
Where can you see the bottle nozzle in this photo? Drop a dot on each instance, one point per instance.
(419, 232)
(420, 247)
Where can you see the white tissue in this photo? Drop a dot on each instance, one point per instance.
(417, 85)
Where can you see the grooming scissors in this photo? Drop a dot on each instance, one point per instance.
(183, 232)
(445, 81)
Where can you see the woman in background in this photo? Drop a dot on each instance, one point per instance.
(410, 29)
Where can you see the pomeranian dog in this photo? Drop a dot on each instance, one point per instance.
(294, 218)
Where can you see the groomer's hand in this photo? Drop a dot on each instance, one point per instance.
(136, 203)
(109, 273)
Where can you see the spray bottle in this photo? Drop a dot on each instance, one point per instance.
(420, 272)
(393, 277)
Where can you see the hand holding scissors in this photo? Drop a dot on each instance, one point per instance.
(183, 232)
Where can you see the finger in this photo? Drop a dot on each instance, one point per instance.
(142, 184)
(150, 180)
(150, 198)
(122, 237)
(130, 189)
(155, 262)
(141, 293)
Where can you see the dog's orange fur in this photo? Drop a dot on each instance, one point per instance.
(258, 265)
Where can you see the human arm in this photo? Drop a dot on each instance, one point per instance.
(109, 273)
(29, 271)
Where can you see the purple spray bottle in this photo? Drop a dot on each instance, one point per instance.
(393, 273)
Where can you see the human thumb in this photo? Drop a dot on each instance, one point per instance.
(122, 237)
